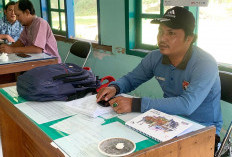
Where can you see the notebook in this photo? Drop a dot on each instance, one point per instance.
(158, 125)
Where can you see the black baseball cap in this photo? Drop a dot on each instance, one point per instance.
(177, 18)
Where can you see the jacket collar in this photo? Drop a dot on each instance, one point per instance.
(183, 63)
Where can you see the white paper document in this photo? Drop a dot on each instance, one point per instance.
(128, 116)
(42, 112)
(80, 145)
(89, 106)
(109, 115)
(84, 143)
(117, 129)
(11, 91)
(78, 123)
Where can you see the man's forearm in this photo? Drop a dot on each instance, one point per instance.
(3, 36)
(27, 49)
(18, 43)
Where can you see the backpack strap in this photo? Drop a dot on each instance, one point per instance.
(68, 75)
(109, 79)
(81, 94)
(75, 79)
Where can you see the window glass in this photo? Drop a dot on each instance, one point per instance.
(63, 23)
(55, 20)
(61, 4)
(151, 6)
(86, 26)
(6, 1)
(54, 4)
(149, 32)
(214, 31)
(57, 17)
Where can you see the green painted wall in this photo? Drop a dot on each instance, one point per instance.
(36, 4)
(1, 10)
(112, 21)
(116, 64)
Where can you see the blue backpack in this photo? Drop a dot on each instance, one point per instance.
(56, 82)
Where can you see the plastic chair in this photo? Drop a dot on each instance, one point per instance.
(81, 49)
(225, 148)
(226, 145)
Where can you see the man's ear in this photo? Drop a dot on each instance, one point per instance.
(190, 39)
(27, 11)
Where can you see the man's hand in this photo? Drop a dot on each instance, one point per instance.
(121, 104)
(6, 48)
(106, 93)
(10, 39)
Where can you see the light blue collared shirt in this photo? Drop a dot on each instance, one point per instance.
(14, 30)
(191, 90)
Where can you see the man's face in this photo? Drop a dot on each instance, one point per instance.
(10, 14)
(20, 15)
(172, 41)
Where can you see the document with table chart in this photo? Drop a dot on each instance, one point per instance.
(78, 123)
(42, 112)
(85, 142)
(11, 91)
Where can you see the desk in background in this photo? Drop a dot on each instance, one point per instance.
(23, 137)
(14, 65)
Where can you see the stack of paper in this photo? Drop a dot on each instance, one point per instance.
(89, 106)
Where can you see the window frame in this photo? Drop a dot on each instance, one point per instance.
(134, 37)
(140, 17)
(133, 25)
(134, 45)
(3, 4)
(70, 19)
(59, 11)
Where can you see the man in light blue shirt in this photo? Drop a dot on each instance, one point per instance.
(10, 28)
(188, 75)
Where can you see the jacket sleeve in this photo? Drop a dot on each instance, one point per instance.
(142, 73)
(202, 80)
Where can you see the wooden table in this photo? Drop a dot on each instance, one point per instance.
(22, 137)
(9, 72)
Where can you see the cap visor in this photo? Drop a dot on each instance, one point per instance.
(166, 22)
